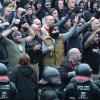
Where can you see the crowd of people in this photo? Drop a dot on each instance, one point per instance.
(49, 49)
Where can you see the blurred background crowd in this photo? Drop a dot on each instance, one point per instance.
(36, 35)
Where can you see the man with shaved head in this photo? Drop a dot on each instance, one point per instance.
(49, 20)
(35, 28)
(74, 55)
(37, 21)
(67, 68)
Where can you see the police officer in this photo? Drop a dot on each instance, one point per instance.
(81, 87)
(48, 89)
(7, 88)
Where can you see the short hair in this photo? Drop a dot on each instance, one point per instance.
(72, 51)
(48, 17)
(36, 20)
(14, 34)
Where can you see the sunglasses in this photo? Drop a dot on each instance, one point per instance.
(56, 28)
(48, 4)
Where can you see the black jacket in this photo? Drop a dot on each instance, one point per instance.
(7, 89)
(65, 67)
(35, 55)
(25, 80)
(81, 88)
(3, 53)
(90, 54)
(49, 91)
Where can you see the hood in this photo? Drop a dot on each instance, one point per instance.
(25, 70)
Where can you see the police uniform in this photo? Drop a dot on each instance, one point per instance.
(7, 88)
(81, 87)
(49, 86)
(47, 92)
(81, 90)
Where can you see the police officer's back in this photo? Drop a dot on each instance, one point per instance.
(7, 88)
(81, 87)
(48, 89)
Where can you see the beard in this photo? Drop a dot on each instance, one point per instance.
(54, 35)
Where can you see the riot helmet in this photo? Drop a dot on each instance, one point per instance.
(3, 69)
(83, 70)
(52, 76)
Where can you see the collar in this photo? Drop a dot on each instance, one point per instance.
(73, 65)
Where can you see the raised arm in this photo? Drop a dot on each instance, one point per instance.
(62, 21)
(83, 27)
(7, 32)
(71, 32)
(30, 32)
(88, 42)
